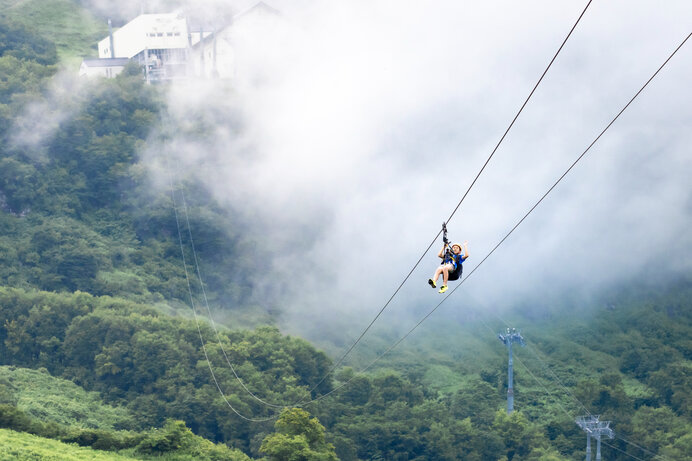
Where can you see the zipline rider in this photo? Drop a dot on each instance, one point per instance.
(452, 260)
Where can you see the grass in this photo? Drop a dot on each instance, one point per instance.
(23, 447)
(636, 389)
(443, 379)
(47, 398)
(73, 29)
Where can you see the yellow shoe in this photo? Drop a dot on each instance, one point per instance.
(432, 283)
(443, 288)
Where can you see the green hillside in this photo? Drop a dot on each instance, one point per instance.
(175, 443)
(72, 29)
(42, 396)
(23, 447)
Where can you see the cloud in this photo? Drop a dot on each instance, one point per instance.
(352, 130)
(41, 119)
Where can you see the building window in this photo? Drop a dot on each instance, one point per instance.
(177, 34)
(170, 34)
(160, 34)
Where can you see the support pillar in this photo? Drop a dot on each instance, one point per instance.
(511, 336)
(594, 428)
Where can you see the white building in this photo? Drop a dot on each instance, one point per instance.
(166, 47)
(108, 68)
(220, 53)
(153, 31)
(214, 56)
(158, 41)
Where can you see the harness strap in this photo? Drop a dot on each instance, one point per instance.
(448, 252)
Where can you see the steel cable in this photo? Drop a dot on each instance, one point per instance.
(341, 359)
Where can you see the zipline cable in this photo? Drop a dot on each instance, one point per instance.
(623, 452)
(194, 311)
(617, 435)
(400, 340)
(338, 362)
(211, 318)
(546, 367)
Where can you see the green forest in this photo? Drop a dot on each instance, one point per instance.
(102, 358)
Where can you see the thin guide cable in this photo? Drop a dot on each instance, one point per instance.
(194, 311)
(211, 318)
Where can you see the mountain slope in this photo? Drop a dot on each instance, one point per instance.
(23, 446)
(42, 396)
(72, 28)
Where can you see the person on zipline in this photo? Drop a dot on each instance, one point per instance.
(451, 266)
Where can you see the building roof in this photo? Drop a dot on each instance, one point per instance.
(106, 62)
(155, 31)
(259, 7)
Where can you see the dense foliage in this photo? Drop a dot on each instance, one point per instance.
(18, 42)
(298, 437)
(153, 363)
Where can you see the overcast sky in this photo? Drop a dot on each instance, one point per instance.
(355, 127)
